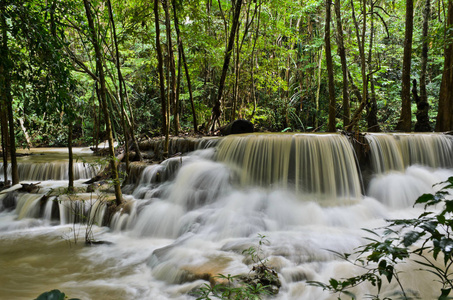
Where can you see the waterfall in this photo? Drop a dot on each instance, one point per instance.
(405, 166)
(193, 216)
(398, 151)
(51, 171)
(82, 208)
(28, 206)
(64, 208)
(319, 164)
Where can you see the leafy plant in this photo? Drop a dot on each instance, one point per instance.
(261, 281)
(424, 240)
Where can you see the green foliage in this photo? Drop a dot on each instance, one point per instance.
(229, 291)
(425, 240)
(278, 61)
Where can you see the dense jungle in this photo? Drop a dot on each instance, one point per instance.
(351, 108)
(78, 71)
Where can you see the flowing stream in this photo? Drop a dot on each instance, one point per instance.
(191, 217)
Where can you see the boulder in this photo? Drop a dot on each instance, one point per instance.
(237, 127)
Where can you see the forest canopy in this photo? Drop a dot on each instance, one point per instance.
(77, 69)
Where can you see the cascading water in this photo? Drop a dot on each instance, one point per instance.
(401, 163)
(322, 165)
(52, 165)
(395, 152)
(190, 218)
(51, 171)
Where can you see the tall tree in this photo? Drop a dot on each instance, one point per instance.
(3, 93)
(103, 100)
(344, 65)
(171, 67)
(120, 85)
(404, 123)
(361, 44)
(184, 61)
(372, 121)
(216, 110)
(6, 66)
(160, 68)
(4, 133)
(444, 120)
(329, 63)
(422, 124)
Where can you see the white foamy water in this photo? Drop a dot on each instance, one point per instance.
(191, 217)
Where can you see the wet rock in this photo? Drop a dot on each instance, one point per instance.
(185, 269)
(4, 185)
(9, 201)
(237, 127)
(30, 187)
(209, 271)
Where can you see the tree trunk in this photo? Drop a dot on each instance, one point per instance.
(318, 90)
(12, 136)
(216, 111)
(24, 131)
(97, 121)
(3, 96)
(120, 85)
(422, 124)
(404, 123)
(129, 125)
(7, 99)
(252, 62)
(103, 102)
(172, 68)
(237, 74)
(71, 159)
(361, 44)
(178, 106)
(4, 129)
(373, 125)
(344, 65)
(160, 68)
(186, 69)
(444, 120)
(132, 123)
(329, 63)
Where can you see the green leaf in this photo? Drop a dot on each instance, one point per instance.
(449, 206)
(411, 237)
(441, 219)
(430, 226)
(333, 283)
(424, 198)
